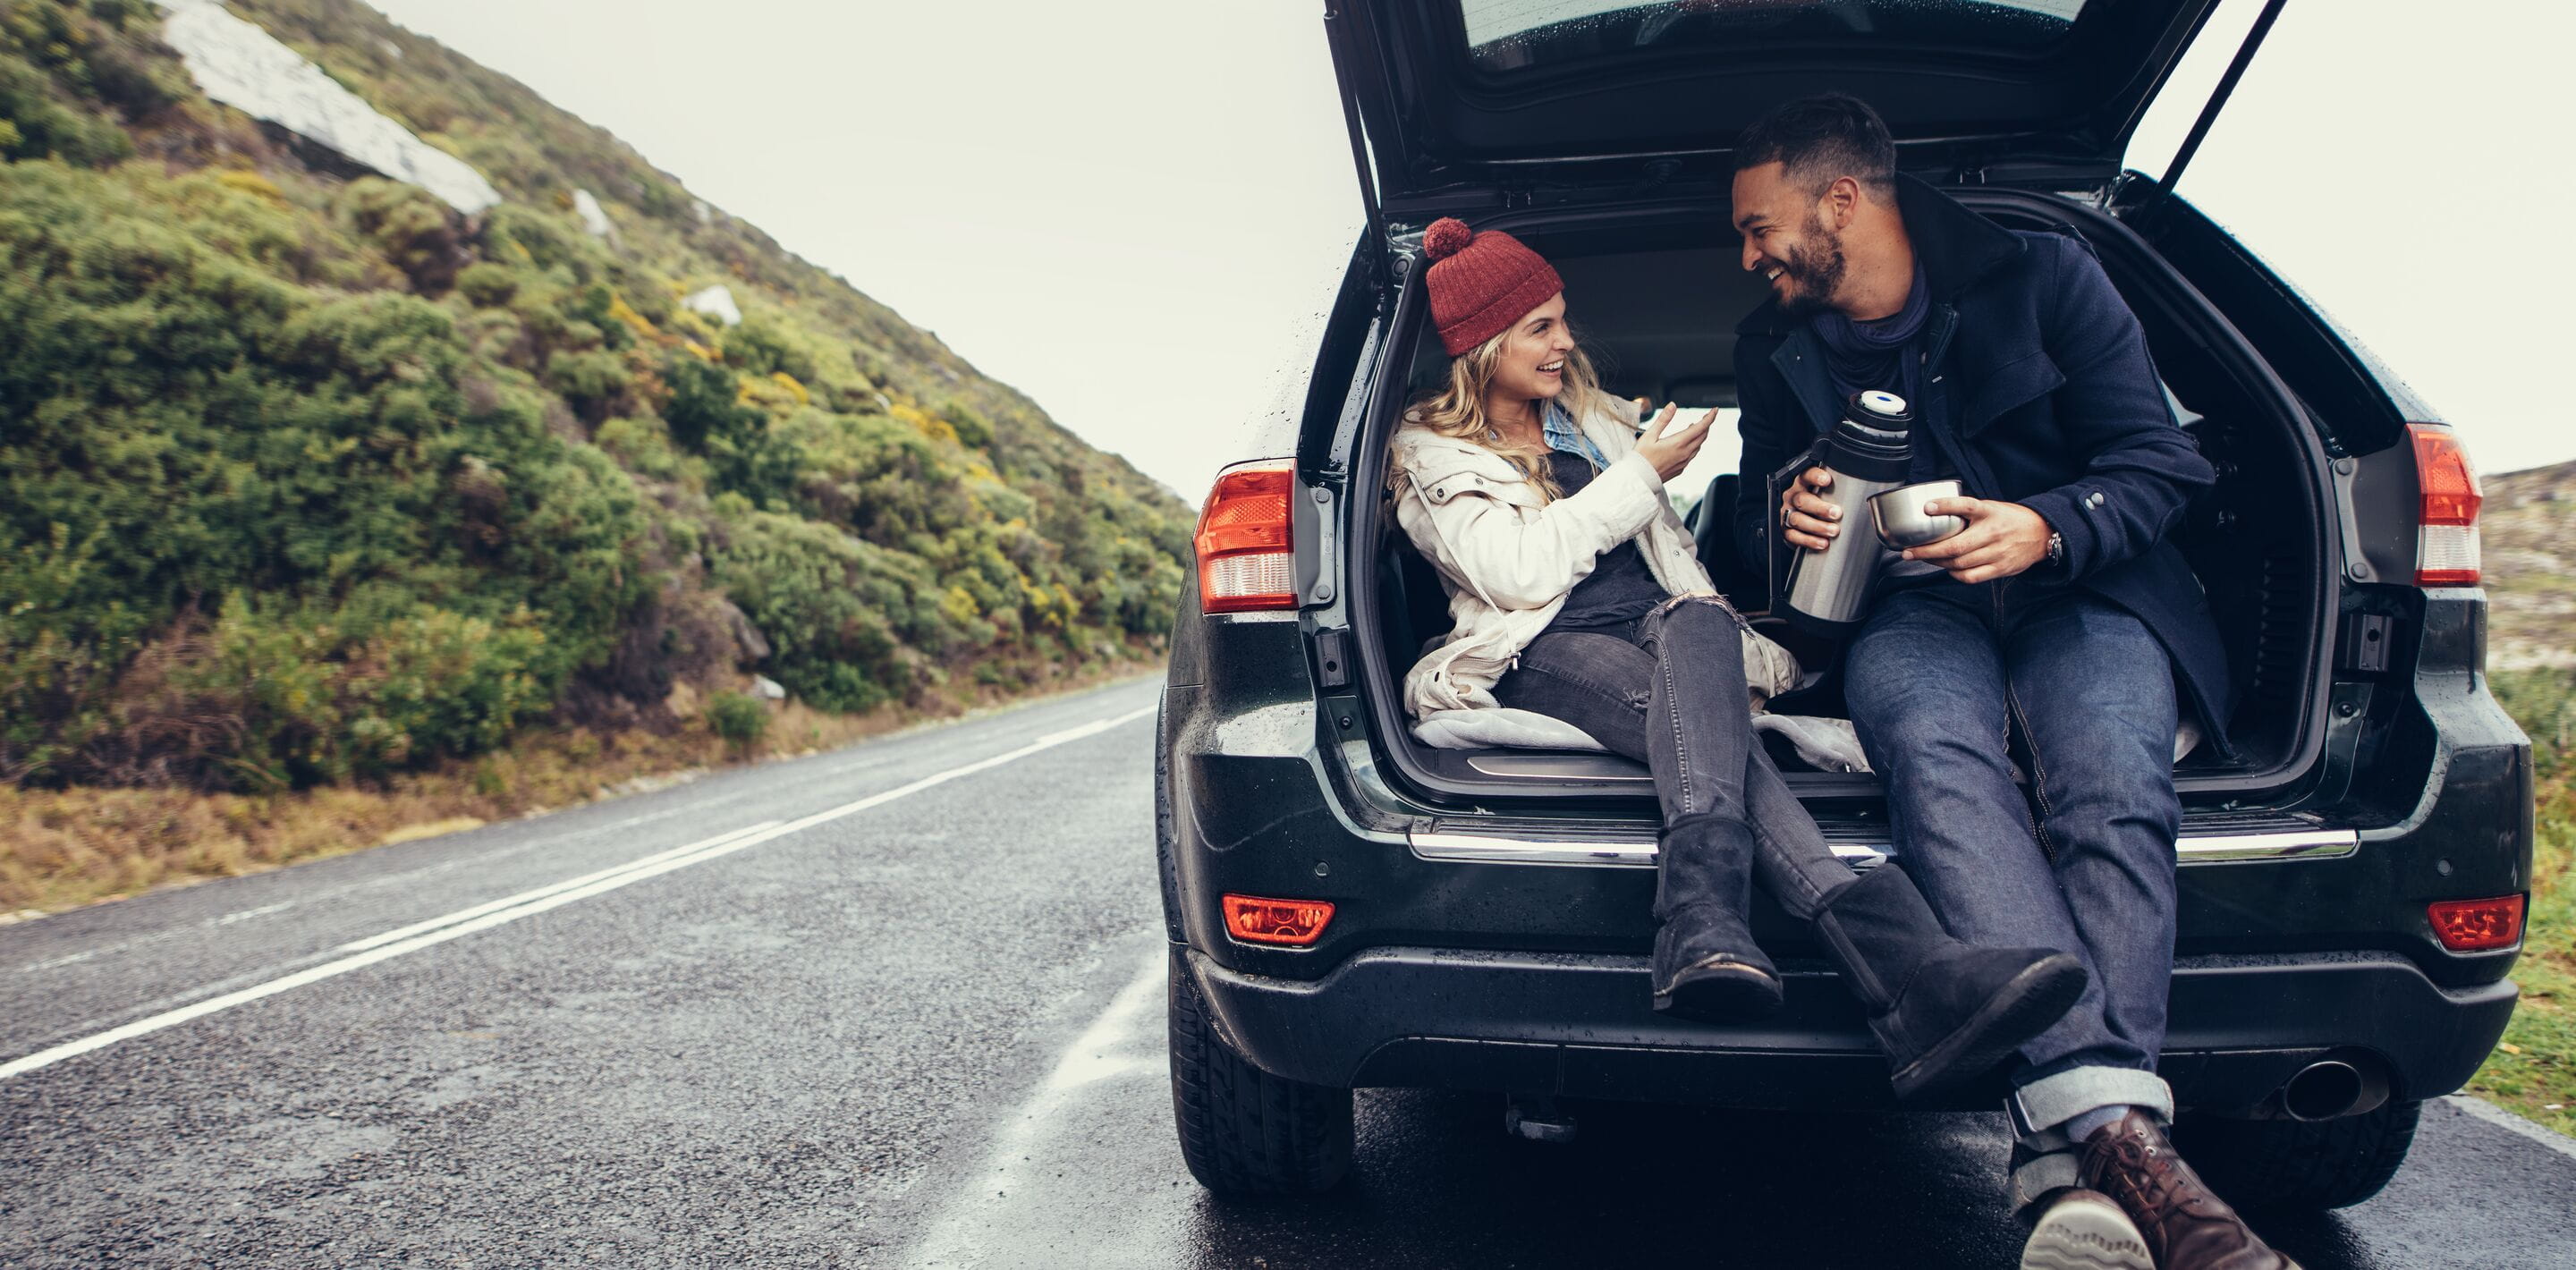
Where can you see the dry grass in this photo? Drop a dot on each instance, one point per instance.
(2529, 525)
(2533, 1070)
(433, 829)
(63, 848)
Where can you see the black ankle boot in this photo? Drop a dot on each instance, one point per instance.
(1944, 1011)
(1706, 964)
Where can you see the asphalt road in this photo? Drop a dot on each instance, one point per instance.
(899, 1005)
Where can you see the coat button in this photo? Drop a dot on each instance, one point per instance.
(2095, 500)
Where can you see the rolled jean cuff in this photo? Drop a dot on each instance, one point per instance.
(2036, 1173)
(2052, 1101)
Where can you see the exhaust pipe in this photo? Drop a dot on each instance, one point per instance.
(2331, 1088)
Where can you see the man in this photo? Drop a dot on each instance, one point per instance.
(2060, 619)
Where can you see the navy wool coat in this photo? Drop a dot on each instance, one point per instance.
(2037, 388)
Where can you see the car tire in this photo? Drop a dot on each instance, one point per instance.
(2291, 1165)
(1244, 1131)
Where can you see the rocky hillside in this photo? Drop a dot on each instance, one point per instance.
(358, 409)
(2528, 537)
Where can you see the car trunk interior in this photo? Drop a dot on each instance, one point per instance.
(1655, 298)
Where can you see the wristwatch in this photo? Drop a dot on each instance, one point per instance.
(2056, 547)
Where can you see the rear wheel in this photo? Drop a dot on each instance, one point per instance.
(2289, 1164)
(1244, 1131)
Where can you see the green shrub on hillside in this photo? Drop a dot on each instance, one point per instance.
(305, 479)
(593, 381)
(973, 430)
(312, 699)
(487, 284)
(186, 431)
(836, 609)
(413, 230)
(70, 72)
(700, 407)
(2544, 703)
(739, 718)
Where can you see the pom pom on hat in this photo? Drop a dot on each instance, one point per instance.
(1447, 237)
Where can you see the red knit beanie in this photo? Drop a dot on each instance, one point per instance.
(1481, 283)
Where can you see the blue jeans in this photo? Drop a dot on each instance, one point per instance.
(1941, 679)
(1667, 690)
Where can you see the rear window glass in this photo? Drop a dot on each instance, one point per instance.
(1516, 35)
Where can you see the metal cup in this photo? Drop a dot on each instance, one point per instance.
(1902, 522)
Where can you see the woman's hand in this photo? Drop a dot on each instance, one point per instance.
(1670, 454)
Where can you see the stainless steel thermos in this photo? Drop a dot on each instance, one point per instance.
(1870, 451)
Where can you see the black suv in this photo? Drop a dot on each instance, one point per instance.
(1348, 907)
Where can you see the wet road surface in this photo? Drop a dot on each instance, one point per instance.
(900, 1005)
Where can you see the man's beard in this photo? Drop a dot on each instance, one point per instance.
(1816, 271)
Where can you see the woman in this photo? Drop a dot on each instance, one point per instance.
(1579, 601)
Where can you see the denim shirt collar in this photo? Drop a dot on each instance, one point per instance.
(1563, 434)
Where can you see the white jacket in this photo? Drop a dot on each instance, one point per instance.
(1508, 557)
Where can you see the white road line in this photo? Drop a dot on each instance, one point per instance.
(1116, 1044)
(511, 901)
(2513, 1124)
(545, 899)
(1090, 1057)
(249, 913)
(351, 888)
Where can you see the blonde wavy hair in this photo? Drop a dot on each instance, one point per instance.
(1457, 409)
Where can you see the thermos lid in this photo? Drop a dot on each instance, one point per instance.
(1871, 442)
(1885, 405)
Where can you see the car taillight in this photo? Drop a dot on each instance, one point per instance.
(1244, 557)
(2476, 925)
(2446, 537)
(1265, 921)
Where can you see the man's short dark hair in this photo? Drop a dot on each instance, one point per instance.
(1818, 139)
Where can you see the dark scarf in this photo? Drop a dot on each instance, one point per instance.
(1875, 355)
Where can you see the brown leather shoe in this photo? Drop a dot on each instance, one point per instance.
(2186, 1226)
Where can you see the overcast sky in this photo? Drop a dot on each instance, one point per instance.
(1127, 208)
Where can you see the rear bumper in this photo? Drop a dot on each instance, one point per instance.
(1579, 1025)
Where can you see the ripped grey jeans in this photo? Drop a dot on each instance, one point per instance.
(1667, 690)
